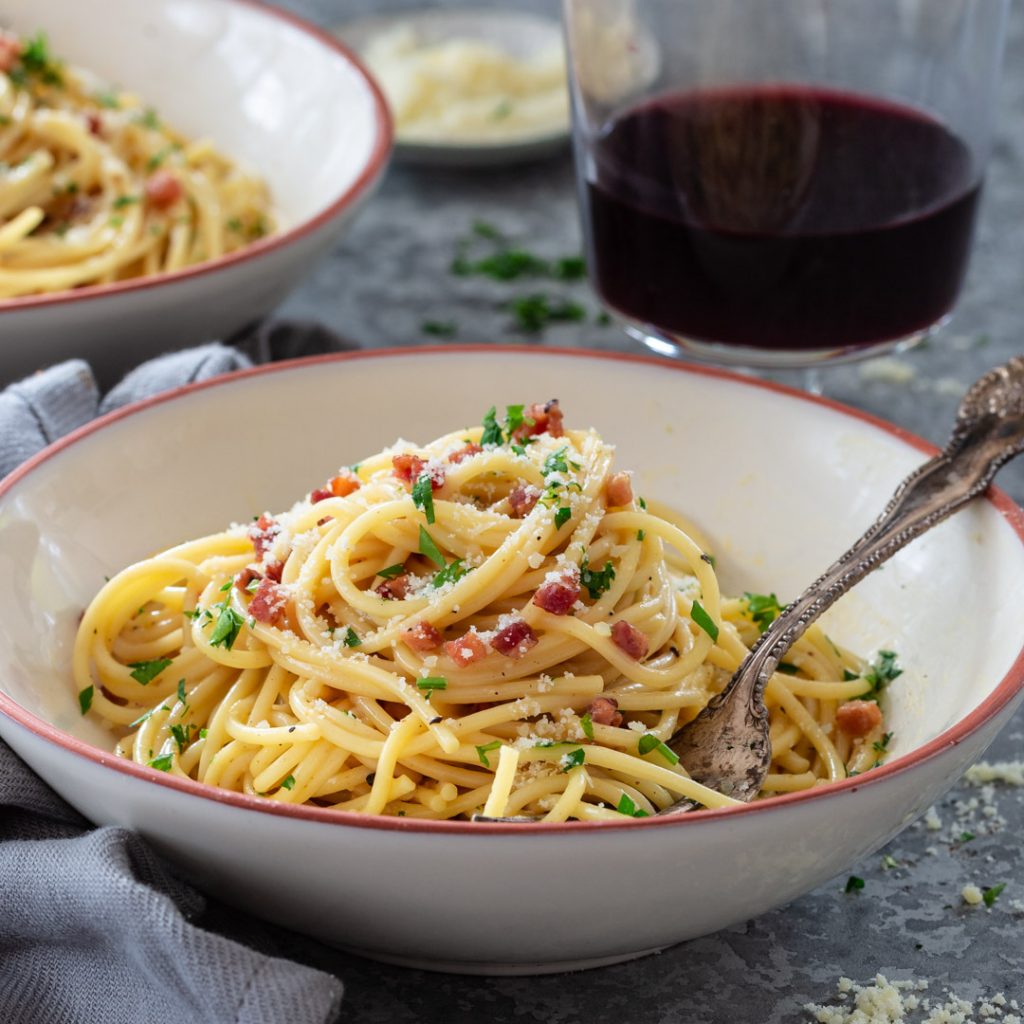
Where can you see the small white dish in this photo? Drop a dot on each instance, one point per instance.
(521, 34)
(271, 91)
(780, 482)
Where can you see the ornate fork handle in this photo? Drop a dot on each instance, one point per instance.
(989, 432)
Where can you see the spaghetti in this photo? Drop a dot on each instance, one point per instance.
(491, 624)
(94, 188)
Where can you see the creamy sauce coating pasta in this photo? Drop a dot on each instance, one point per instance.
(95, 188)
(490, 624)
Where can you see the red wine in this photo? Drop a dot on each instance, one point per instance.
(780, 217)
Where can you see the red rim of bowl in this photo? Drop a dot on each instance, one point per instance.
(1002, 694)
(378, 159)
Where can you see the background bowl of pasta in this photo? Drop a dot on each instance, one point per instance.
(420, 882)
(169, 170)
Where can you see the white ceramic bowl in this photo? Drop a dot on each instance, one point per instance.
(277, 94)
(782, 483)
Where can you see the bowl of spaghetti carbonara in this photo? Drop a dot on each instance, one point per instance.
(170, 189)
(429, 654)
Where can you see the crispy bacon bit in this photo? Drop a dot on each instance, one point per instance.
(269, 603)
(522, 500)
(246, 576)
(409, 468)
(163, 189)
(262, 534)
(514, 640)
(546, 417)
(465, 453)
(393, 590)
(619, 489)
(273, 571)
(422, 637)
(320, 494)
(858, 717)
(466, 649)
(94, 123)
(10, 48)
(558, 596)
(605, 711)
(629, 639)
(344, 484)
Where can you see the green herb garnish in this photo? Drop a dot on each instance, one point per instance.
(288, 783)
(392, 571)
(451, 573)
(423, 496)
(146, 671)
(439, 328)
(182, 735)
(882, 673)
(702, 619)
(483, 751)
(492, 432)
(597, 581)
(992, 894)
(587, 725)
(762, 608)
(573, 759)
(85, 698)
(629, 808)
(122, 201)
(430, 549)
(562, 516)
(532, 313)
(853, 883)
(227, 627)
(162, 763)
(432, 683)
(649, 742)
(555, 462)
(967, 837)
(351, 638)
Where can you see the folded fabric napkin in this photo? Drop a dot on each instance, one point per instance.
(94, 927)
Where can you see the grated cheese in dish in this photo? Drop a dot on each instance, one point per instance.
(467, 90)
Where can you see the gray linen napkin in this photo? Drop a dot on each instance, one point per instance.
(93, 926)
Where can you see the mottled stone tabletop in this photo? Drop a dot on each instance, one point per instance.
(387, 278)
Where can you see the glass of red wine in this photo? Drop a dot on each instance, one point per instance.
(781, 183)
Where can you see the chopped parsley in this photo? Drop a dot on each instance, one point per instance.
(763, 609)
(786, 668)
(573, 759)
(159, 157)
(649, 742)
(882, 745)
(122, 201)
(182, 735)
(451, 573)
(514, 419)
(227, 627)
(430, 549)
(492, 432)
(587, 725)
(854, 883)
(882, 673)
(440, 328)
(162, 763)
(392, 571)
(146, 671)
(702, 619)
(149, 119)
(562, 516)
(889, 862)
(182, 695)
(597, 581)
(640, 535)
(147, 716)
(85, 698)
(967, 837)
(483, 751)
(203, 733)
(35, 59)
(569, 268)
(108, 99)
(556, 462)
(629, 808)
(992, 894)
(532, 313)
(423, 496)
(432, 683)
(351, 638)
(289, 782)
